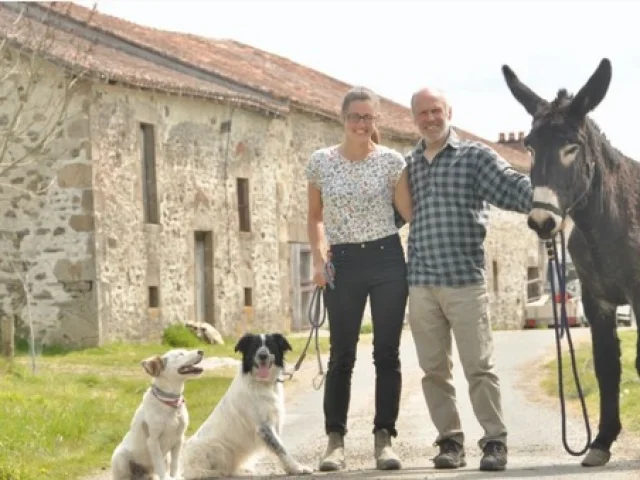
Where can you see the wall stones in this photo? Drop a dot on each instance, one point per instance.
(75, 175)
(45, 230)
(76, 226)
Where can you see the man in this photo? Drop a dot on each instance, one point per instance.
(452, 182)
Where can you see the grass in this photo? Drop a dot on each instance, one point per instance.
(629, 385)
(65, 420)
(366, 328)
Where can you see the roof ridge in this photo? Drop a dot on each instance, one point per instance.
(218, 62)
(151, 48)
(172, 62)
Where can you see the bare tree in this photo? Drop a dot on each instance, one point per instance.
(34, 111)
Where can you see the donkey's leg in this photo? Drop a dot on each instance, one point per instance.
(635, 310)
(606, 359)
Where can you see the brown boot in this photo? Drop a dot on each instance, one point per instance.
(334, 456)
(386, 458)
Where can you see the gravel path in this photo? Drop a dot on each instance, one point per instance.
(535, 444)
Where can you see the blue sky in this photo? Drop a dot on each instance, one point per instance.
(459, 46)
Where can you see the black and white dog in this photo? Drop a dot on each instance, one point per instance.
(249, 417)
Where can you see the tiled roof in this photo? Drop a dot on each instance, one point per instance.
(110, 64)
(274, 82)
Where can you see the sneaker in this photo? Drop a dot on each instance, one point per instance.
(451, 454)
(494, 458)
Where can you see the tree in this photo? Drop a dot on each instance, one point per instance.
(41, 66)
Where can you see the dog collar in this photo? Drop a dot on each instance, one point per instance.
(170, 399)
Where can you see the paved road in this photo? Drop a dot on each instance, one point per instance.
(535, 444)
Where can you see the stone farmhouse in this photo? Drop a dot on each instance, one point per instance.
(174, 188)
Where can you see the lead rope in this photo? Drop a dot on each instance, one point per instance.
(317, 315)
(561, 326)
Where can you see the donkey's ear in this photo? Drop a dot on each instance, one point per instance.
(153, 365)
(593, 92)
(523, 94)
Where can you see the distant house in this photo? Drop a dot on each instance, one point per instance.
(180, 192)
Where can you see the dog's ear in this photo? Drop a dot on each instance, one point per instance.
(153, 365)
(282, 342)
(244, 343)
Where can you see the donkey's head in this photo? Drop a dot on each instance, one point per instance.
(562, 158)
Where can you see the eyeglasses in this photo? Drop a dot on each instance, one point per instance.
(356, 117)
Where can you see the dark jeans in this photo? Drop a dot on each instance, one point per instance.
(376, 270)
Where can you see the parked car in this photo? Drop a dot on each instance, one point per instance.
(625, 316)
(539, 311)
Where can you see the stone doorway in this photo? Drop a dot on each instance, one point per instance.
(203, 257)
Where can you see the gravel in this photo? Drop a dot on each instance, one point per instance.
(535, 442)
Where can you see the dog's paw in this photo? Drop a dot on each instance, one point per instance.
(299, 469)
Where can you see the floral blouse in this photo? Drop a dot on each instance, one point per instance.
(357, 196)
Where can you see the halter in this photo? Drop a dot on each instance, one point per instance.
(563, 213)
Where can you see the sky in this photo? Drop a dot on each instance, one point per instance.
(397, 47)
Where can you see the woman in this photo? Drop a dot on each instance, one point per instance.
(353, 188)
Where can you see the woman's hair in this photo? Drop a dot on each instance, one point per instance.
(362, 94)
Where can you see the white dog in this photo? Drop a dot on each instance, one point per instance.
(152, 446)
(248, 419)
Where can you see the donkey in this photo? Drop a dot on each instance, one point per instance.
(579, 178)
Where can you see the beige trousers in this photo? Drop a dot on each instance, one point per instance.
(435, 313)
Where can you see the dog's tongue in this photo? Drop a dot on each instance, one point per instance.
(263, 371)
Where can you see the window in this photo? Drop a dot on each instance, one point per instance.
(248, 297)
(154, 297)
(244, 213)
(533, 283)
(149, 185)
(495, 276)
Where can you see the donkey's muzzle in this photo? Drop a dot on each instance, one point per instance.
(543, 223)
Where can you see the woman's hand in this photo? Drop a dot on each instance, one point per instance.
(319, 274)
(320, 271)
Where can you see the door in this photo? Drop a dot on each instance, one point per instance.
(302, 285)
(203, 258)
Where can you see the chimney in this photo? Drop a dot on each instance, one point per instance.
(502, 138)
(512, 137)
(520, 136)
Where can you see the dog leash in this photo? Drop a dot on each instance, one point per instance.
(317, 315)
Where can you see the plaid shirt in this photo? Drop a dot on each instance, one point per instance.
(451, 197)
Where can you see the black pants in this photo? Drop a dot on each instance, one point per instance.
(376, 270)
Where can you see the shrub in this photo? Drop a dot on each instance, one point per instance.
(179, 336)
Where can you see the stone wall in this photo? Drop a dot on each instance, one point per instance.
(513, 248)
(46, 241)
(90, 258)
(200, 150)
(199, 156)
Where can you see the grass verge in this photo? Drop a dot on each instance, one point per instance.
(65, 420)
(629, 385)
